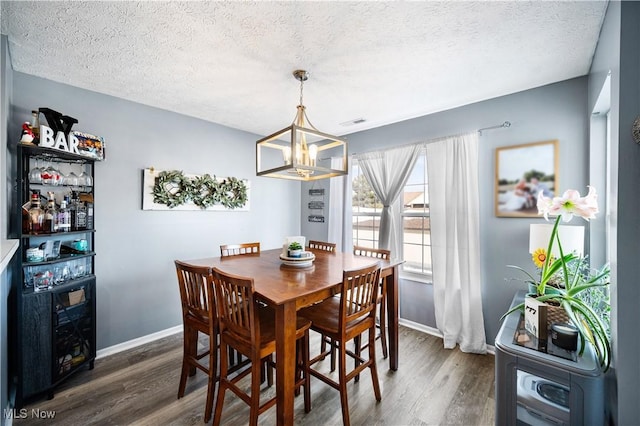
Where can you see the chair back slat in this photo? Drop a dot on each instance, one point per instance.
(359, 293)
(371, 252)
(322, 245)
(236, 309)
(239, 249)
(196, 290)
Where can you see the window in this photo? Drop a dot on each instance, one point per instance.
(366, 210)
(416, 227)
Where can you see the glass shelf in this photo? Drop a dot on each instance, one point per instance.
(62, 185)
(53, 234)
(55, 155)
(61, 258)
(67, 285)
(525, 339)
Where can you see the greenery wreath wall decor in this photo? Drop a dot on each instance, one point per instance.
(204, 191)
(233, 193)
(173, 190)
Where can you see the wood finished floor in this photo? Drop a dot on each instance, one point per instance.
(433, 386)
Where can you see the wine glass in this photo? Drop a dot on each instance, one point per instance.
(85, 179)
(35, 174)
(51, 176)
(72, 179)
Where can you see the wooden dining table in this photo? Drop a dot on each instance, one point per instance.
(289, 288)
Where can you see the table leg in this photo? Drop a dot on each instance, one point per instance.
(392, 317)
(285, 361)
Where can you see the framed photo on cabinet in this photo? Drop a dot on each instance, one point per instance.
(522, 173)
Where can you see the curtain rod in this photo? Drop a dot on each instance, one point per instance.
(499, 126)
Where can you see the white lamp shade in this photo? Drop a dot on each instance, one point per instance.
(571, 238)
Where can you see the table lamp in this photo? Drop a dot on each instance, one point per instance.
(571, 238)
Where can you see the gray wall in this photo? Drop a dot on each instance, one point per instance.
(627, 347)
(556, 111)
(5, 98)
(137, 290)
(315, 230)
(618, 52)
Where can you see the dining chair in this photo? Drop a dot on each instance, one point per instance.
(239, 249)
(198, 316)
(249, 328)
(382, 254)
(321, 245)
(343, 319)
(331, 248)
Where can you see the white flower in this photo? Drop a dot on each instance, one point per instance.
(570, 204)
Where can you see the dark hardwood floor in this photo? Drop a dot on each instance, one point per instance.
(139, 387)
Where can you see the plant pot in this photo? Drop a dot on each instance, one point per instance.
(295, 253)
(556, 315)
(551, 290)
(532, 289)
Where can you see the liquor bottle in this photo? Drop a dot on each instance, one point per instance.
(35, 126)
(64, 217)
(51, 215)
(79, 213)
(89, 207)
(72, 210)
(36, 214)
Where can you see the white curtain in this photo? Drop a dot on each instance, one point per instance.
(452, 167)
(387, 172)
(336, 222)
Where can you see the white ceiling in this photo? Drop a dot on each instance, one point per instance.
(231, 62)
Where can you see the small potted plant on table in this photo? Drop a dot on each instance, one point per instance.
(295, 249)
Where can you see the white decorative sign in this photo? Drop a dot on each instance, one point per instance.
(535, 317)
(58, 141)
(78, 143)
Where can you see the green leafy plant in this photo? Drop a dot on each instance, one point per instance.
(578, 288)
(295, 246)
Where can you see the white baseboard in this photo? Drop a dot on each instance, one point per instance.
(111, 350)
(433, 331)
(420, 327)
(130, 344)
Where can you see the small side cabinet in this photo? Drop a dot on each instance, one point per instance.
(537, 388)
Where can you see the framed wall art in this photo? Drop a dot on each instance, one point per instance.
(175, 190)
(522, 173)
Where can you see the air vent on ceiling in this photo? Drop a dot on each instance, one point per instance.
(352, 122)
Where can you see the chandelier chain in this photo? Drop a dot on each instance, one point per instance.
(301, 87)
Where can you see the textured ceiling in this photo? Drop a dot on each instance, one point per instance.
(231, 62)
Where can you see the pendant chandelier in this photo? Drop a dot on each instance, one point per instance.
(300, 151)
